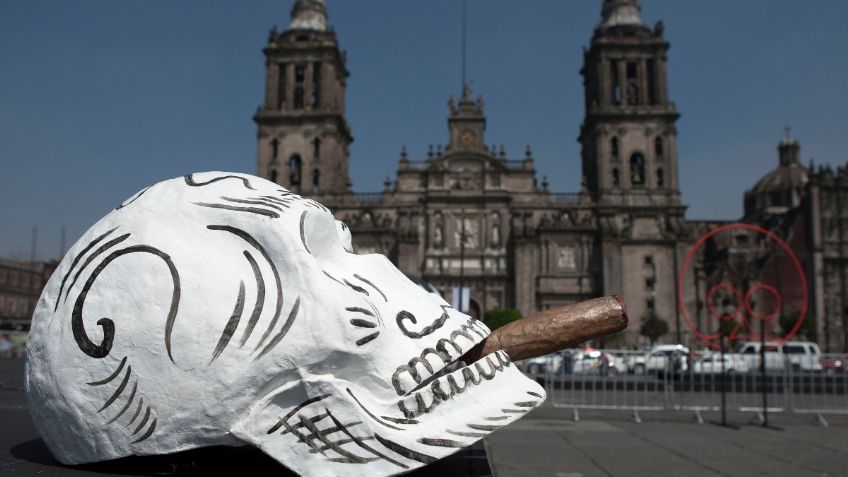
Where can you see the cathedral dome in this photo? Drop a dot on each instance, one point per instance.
(782, 178)
(782, 188)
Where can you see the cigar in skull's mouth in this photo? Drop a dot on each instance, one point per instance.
(552, 330)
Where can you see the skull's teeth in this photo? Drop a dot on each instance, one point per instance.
(409, 407)
(474, 371)
(480, 327)
(427, 398)
(436, 363)
(448, 386)
(421, 370)
(407, 381)
(458, 378)
(434, 360)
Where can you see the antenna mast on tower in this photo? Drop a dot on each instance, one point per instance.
(463, 42)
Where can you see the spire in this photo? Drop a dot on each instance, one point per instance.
(466, 122)
(788, 149)
(620, 12)
(309, 15)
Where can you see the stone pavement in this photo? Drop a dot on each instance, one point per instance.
(548, 442)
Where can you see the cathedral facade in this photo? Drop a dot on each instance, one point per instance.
(468, 215)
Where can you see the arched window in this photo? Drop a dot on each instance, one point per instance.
(316, 148)
(614, 147)
(614, 84)
(616, 180)
(295, 165)
(316, 85)
(637, 169)
(658, 147)
(632, 84)
(274, 176)
(660, 178)
(316, 178)
(632, 93)
(275, 147)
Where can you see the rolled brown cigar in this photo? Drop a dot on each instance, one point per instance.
(553, 330)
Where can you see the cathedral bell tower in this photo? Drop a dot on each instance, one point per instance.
(303, 135)
(628, 136)
(466, 123)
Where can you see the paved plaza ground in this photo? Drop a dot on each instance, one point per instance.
(548, 442)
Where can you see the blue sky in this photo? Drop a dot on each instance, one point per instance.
(99, 98)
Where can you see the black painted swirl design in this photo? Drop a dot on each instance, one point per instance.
(189, 180)
(404, 315)
(132, 199)
(102, 350)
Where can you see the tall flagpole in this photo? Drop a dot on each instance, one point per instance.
(462, 260)
(463, 42)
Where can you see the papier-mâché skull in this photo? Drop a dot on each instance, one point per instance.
(221, 309)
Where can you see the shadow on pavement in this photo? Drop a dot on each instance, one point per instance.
(223, 460)
(207, 461)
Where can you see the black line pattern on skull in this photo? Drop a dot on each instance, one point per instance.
(221, 309)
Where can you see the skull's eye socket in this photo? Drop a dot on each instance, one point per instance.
(319, 233)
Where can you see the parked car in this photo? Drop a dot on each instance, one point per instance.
(661, 359)
(548, 364)
(750, 352)
(593, 362)
(803, 355)
(712, 364)
(799, 355)
(618, 360)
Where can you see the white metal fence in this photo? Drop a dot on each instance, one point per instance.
(634, 381)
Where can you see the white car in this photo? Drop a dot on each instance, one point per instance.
(803, 355)
(712, 364)
(548, 364)
(661, 359)
(798, 355)
(593, 362)
(618, 360)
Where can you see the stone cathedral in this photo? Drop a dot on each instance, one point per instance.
(468, 212)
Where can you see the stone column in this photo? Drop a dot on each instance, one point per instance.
(662, 80)
(271, 79)
(289, 91)
(307, 86)
(603, 78)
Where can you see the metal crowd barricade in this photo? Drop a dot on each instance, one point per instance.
(584, 380)
(818, 388)
(623, 380)
(738, 390)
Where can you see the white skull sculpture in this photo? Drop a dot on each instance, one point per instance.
(221, 309)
